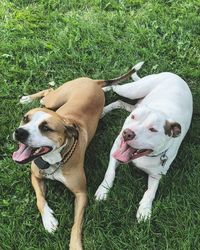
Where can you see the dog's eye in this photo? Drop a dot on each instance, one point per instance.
(46, 128)
(25, 119)
(153, 130)
(132, 117)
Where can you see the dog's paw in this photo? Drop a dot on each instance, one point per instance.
(106, 89)
(42, 101)
(143, 213)
(49, 221)
(101, 193)
(25, 99)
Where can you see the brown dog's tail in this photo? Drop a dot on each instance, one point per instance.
(120, 79)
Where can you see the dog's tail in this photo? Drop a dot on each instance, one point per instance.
(121, 78)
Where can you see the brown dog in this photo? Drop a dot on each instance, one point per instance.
(55, 139)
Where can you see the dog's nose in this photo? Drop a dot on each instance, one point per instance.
(21, 134)
(128, 134)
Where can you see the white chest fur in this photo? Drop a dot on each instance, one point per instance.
(54, 173)
(54, 156)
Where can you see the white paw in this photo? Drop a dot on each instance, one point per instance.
(101, 193)
(143, 213)
(106, 89)
(25, 99)
(42, 101)
(52, 83)
(49, 221)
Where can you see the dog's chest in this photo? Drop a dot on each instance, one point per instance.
(150, 165)
(54, 172)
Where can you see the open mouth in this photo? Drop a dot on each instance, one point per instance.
(26, 153)
(126, 153)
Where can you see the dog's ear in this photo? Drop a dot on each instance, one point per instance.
(72, 131)
(172, 129)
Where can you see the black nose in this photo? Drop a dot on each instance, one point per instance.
(21, 134)
(128, 134)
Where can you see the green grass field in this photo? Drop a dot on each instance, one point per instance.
(57, 40)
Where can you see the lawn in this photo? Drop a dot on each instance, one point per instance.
(57, 40)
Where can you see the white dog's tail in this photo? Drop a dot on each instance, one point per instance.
(130, 73)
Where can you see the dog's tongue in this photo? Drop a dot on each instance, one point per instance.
(22, 153)
(124, 153)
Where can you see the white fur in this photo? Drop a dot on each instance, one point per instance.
(164, 96)
(138, 66)
(25, 99)
(36, 138)
(116, 105)
(54, 156)
(49, 221)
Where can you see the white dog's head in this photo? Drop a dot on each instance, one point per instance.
(145, 132)
(40, 132)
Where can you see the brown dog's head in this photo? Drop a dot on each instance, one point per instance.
(40, 132)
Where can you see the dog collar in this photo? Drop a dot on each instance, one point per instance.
(163, 157)
(42, 165)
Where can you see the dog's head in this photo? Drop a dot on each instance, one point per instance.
(146, 132)
(40, 132)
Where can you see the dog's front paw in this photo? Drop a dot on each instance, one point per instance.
(143, 213)
(101, 193)
(49, 221)
(25, 99)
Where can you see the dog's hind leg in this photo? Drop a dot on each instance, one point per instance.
(29, 98)
(138, 89)
(117, 105)
(135, 77)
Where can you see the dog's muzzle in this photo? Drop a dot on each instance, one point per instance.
(21, 135)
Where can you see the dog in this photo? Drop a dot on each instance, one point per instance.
(152, 133)
(54, 138)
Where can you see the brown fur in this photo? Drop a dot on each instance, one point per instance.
(172, 129)
(78, 102)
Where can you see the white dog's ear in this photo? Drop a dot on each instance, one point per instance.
(172, 129)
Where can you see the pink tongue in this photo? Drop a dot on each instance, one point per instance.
(22, 153)
(124, 153)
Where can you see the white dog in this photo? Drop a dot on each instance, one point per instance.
(152, 133)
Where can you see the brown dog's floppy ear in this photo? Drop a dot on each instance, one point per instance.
(172, 129)
(72, 131)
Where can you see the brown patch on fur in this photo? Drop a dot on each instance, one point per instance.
(172, 129)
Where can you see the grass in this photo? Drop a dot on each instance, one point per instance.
(43, 41)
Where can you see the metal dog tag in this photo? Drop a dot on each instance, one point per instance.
(163, 159)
